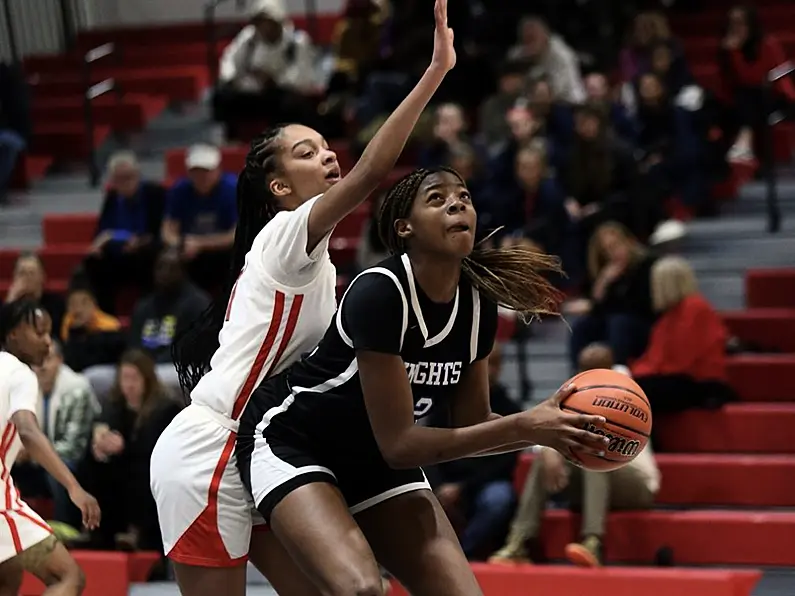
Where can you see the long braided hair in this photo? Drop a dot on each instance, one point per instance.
(513, 277)
(256, 206)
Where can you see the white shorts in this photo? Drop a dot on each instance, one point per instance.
(20, 527)
(205, 513)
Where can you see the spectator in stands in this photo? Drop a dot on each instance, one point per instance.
(371, 249)
(597, 89)
(449, 129)
(477, 493)
(681, 369)
(549, 57)
(68, 407)
(649, 30)
(619, 309)
(164, 314)
(746, 57)
(524, 127)
(556, 119)
(268, 72)
(15, 121)
(90, 336)
(117, 466)
(28, 282)
(671, 152)
(594, 493)
(510, 86)
(532, 208)
(128, 232)
(201, 215)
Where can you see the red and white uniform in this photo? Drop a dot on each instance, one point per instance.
(20, 526)
(280, 308)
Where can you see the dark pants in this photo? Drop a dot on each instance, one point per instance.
(487, 519)
(627, 335)
(112, 271)
(209, 270)
(233, 108)
(11, 145)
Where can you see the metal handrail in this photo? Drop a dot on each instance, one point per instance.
(768, 160)
(12, 35)
(92, 92)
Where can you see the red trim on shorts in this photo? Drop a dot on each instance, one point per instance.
(9, 435)
(12, 527)
(202, 545)
(21, 509)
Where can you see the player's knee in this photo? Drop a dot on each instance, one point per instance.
(357, 583)
(74, 577)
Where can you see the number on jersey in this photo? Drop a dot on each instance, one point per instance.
(422, 406)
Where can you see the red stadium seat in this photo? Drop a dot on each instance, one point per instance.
(771, 329)
(763, 377)
(75, 228)
(770, 288)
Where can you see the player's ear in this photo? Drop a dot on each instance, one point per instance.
(279, 187)
(403, 229)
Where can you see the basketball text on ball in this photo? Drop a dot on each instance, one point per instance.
(621, 406)
(619, 445)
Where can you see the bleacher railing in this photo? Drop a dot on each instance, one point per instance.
(92, 92)
(768, 160)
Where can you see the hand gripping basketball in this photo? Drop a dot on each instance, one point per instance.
(548, 425)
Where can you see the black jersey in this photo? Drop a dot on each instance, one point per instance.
(385, 310)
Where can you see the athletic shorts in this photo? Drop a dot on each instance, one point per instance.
(205, 513)
(276, 454)
(20, 526)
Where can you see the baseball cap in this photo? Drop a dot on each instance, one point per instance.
(203, 157)
(269, 9)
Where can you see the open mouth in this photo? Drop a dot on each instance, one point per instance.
(333, 175)
(458, 228)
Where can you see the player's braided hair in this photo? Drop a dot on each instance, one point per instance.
(513, 277)
(14, 314)
(256, 206)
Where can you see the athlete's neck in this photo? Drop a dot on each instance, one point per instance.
(438, 278)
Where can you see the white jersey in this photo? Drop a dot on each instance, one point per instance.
(279, 309)
(19, 390)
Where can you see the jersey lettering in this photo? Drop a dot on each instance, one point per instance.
(436, 374)
(422, 406)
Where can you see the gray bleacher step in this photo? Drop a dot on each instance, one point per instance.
(737, 226)
(783, 241)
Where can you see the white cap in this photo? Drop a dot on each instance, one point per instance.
(203, 157)
(270, 9)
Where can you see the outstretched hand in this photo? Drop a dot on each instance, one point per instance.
(443, 50)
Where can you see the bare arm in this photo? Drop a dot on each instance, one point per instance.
(170, 232)
(383, 151)
(220, 241)
(41, 450)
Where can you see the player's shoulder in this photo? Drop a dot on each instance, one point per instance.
(379, 283)
(13, 367)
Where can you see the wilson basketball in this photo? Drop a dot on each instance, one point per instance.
(614, 395)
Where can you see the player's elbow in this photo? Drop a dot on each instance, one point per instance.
(401, 456)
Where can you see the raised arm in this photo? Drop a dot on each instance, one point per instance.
(384, 149)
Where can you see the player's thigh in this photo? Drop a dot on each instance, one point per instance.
(317, 530)
(10, 577)
(49, 561)
(412, 537)
(271, 559)
(210, 581)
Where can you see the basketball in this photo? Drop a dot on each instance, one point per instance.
(614, 395)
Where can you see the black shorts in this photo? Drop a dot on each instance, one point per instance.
(282, 446)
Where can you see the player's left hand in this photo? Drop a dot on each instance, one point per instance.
(88, 506)
(443, 49)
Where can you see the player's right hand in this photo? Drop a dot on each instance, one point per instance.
(443, 50)
(548, 425)
(88, 506)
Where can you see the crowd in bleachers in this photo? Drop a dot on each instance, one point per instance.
(570, 142)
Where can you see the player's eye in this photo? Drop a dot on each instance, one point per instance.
(465, 196)
(435, 197)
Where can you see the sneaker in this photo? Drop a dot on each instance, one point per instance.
(587, 553)
(510, 554)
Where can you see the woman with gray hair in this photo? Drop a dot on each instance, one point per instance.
(128, 231)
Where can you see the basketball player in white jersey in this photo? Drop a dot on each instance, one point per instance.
(26, 541)
(290, 198)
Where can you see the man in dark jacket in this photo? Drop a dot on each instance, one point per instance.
(477, 493)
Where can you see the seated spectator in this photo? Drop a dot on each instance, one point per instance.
(556, 117)
(599, 94)
(28, 282)
(619, 310)
(549, 57)
(90, 336)
(268, 72)
(167, 312)
(746, 57)
(128, 231)
(670, 149)
(532, 209)
(449, 129)
(524, 127)
(15, 121)
(201, 215)
(649, 29)
(595, 494)
(477, 493)
(681, 369)
(510, 86)
(117, 466)
(66, 412)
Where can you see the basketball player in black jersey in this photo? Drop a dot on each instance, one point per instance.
(334, 436)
